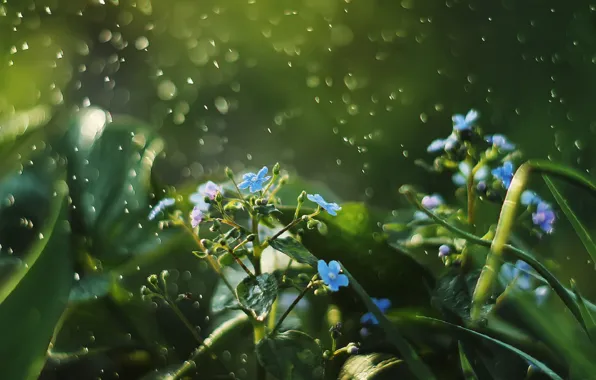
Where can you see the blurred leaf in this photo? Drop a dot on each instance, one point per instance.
(465, 333)
(291, 355)
(375, 366)
(355, 238)
(36, 293)
(415, 364)
(588, 318)
(257, 294)
(579, 228)
(91, 288)
(295, 250)
(109, 176)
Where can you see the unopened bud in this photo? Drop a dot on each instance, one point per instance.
(218, 197)
(302, 197)
(352, 349)
(312, 224)
(152, 279)
(326, 354)
(444, 250)
(303, 277)
(250, 237)
(229, 173)
(276, 169)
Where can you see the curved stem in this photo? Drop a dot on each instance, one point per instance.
(294, 303)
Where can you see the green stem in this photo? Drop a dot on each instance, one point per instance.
(293, 305)
(213, 341)
(471, 199)
(214, 264)
(257, 249)
(290, 225)
(566, 296)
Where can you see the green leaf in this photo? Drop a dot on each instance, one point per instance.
(453, 292)
(109, 177)
(35, 293)
(257, 294)
(295, 250)
(91, 288)
(266, 209)
(355, 238)
(375, 366)
(467, 333)
(416, 365)
(291, 355)
(579, 228)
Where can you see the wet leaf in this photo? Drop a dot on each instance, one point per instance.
(91, 288)
(34, 295)
(375, 366)
(295, 250)
(257, 294)
(291, 355)
(453, 293)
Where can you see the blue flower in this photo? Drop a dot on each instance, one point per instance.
(331, 208)
(500, 141)
(442, 144)
(462, 123)
(529, 197)
(504, 173)
(331, 276)
(461, 178)
(160, 206)
(430, 202)
(444, 250)
(544, 217)
(209, 189)
(523, 277)
(196, 216)
(254, 182)
(369, 318)
(522, 273)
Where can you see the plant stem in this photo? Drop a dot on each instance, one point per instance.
(290, 225)
(293, 305)
(214, 264)
(566, 295)
(214, 339)
(471, 199)
(257, 250)
(239, 262)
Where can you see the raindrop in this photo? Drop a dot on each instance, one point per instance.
(222, 105)
(166, 90)
(141, 43)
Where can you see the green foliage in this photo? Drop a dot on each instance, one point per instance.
(257, 294)
(291, 355)
(375, 366)
(34, 294)
(453, 293)
(294, 249)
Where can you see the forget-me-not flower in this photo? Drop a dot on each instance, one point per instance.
(504, 173)
(331, 208)
(461, 178)
(523, 277)
(444, 250)
(331, 276)
(209, 190)
(462, 123)
(442, 144)
(500, 141)
(254, 182)
(544, 217)
(369, 318)
(196, 216)
(430, 202)
(529, 197)
(160, 206)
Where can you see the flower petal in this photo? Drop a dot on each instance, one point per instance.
(436, 145)
(459, 179)
(383, 304)
(262, 173)
(323, 270)
(334, 267)
(244, 185)
(465, 168)
(342, 280)
(471, 116)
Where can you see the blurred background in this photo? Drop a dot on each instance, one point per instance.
(348, 92)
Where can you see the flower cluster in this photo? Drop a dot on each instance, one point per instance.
(521, 276)
(490, 170)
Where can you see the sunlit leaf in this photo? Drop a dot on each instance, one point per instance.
(375, 366)
(295, 250)
(257, 294)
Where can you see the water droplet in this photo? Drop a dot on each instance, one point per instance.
(166, 90)
(222, 105)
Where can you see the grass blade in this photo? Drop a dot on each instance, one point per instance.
(579, 228)
(467, 333)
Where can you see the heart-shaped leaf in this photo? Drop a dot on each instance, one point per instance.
(295, 250)
(291, 355)
(257, 294)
